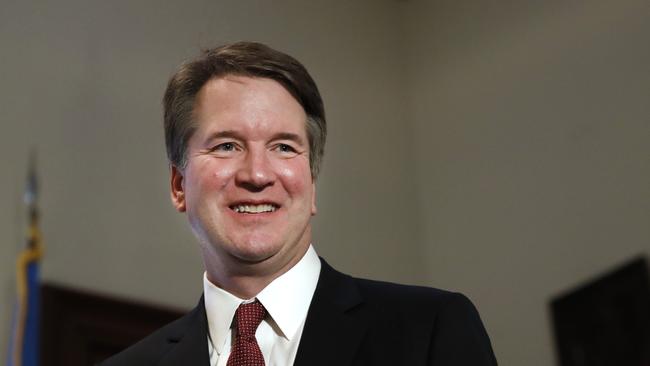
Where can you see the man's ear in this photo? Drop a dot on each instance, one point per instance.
(313, 198)
(177, 189)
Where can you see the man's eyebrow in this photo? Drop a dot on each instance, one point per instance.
(289, 136)
(236, 135)
(225, 133)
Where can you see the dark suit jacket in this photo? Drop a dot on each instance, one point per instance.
(350, 322)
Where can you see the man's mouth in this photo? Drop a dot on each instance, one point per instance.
(254, 209)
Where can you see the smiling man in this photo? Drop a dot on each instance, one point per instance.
(245, 133)
(246, 186)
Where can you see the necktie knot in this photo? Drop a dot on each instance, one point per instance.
(245, 350)
(248, 318)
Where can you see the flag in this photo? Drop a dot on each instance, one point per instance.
(24, 340)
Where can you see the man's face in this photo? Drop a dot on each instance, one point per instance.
(247, 186)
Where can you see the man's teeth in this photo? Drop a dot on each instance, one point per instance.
(254, 208)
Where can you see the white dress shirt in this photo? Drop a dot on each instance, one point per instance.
(286, 300)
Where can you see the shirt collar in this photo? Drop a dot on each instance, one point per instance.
(286, 300)
(220, 307)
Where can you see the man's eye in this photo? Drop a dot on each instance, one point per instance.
(226, 146)
(286, 148)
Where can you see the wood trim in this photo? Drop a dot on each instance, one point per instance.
(82, 328)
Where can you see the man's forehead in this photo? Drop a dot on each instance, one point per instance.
(243, 81)
(234, 87)
(236, 104)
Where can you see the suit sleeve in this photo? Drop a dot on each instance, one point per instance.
(459, 337)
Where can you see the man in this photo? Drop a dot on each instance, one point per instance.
(245, 133)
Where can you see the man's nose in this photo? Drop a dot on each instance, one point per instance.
(256, 172)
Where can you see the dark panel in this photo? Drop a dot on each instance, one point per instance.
(607, 321)
(81, 328)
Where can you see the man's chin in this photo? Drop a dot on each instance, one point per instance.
(255, 254)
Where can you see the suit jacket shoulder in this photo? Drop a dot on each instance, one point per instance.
(380, 323)
(183, 341)
(456, 333)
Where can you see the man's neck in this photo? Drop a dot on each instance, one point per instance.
(248, 279)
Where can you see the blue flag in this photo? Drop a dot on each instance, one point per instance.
(24, 340)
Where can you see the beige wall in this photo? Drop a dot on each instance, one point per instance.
(498, 150)
(532, 128)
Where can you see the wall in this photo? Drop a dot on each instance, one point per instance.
(531, 123)
(82, 82)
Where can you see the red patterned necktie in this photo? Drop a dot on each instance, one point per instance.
(246, 351)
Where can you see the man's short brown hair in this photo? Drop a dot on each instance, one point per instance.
(242, 59)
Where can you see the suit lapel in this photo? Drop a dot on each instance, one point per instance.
(336, 321)
(190, 343)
